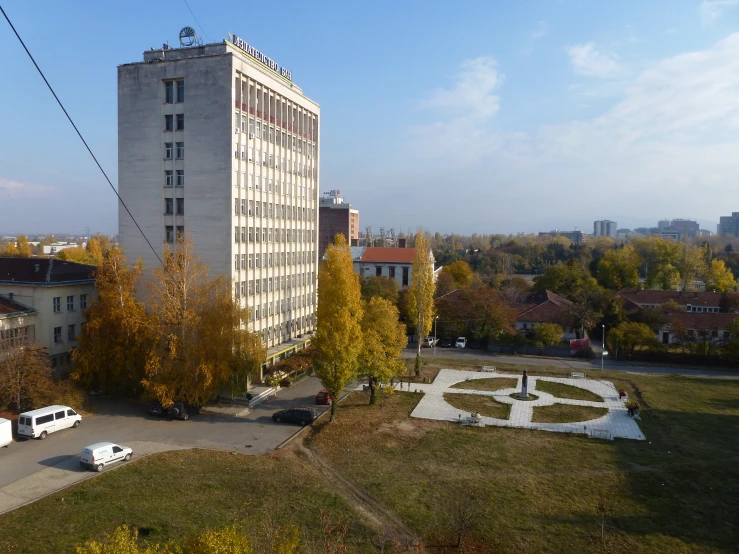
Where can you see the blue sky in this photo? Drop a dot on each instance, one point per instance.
(490, 116)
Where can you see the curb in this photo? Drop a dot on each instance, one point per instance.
(297, 433)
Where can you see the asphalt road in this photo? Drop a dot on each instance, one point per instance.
(129, 424)
(573, 363)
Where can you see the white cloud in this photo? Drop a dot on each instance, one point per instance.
(16, 189)
(710, 10)
(472, 94)
(587, 60)
(542, 28)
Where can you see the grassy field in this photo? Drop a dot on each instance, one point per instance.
(176, 495)
(484, 405)
(491, 384)
(565, 413)
(560, 390)
(676, 492)
(536, 491)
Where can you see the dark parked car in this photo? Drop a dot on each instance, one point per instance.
(446, 343)
(304, 416)
(178, 410)
(323, 397)
(474, 343)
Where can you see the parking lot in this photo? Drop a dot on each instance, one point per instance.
(30, 469)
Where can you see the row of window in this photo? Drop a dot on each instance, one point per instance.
(174, 91)
(270, 160)
(71, 333)
(268, 133)
(287, 187)
(280, 259)
(172, 148)
(17, 336)
(703, 309)
(169, 204)
(269, 234)
(169, 177)
(57, 303)
(174, 123)
(169, 231)
(260, 286)
(278, 211)
(283, 330)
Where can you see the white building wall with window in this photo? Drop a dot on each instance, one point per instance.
(247, 193)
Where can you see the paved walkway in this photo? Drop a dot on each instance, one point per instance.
(616, 423)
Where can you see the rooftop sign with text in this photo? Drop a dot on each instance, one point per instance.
(257, 55)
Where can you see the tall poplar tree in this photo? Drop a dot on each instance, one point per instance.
(338, 338)
(115, 341)
(384, 338)
(421, 292)
(24, 248)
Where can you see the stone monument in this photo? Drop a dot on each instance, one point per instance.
(524, 385)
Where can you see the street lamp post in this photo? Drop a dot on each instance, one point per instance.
(435, 339)
(603, 348)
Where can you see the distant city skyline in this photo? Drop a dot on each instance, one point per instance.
(526, 117)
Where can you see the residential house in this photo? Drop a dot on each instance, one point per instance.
(395, 263)
(53, 296)
(542, 307)
(693, 301)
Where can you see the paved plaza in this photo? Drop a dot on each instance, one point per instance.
(615, 424)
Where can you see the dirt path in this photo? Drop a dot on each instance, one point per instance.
(388, 525)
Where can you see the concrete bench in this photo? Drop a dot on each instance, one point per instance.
(488, 368)
(472, 419)
(577, 375)
(604, 434)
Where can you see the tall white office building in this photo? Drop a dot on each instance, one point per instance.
(217, 140)
(604, 228)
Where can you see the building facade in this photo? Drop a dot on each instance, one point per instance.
(394, 263)
(46, 299)
(729, 225)
(605, 228)
(335, 216)
(218, 142)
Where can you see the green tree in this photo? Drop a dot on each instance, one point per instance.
(571, 280)
(119, 334)
(421, 293)
(663, 259)
(338, 338)
(383, 287)
(732, 346)
(460, 271)
(547, 334)
(24, 249)
(630, 335)
(620, 268)
(694, 265)
(383, 340)
(25, 374)
(719, 278)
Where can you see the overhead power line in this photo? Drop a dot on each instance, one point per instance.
(196, 20)
(79, 134)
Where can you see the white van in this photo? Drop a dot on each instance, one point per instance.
(461, 342)
(39, 423)
(6, 432)
(98, 455)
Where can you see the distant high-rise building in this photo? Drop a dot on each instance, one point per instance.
(663, 224)
(685, 227)
(334, 217)
(605, 228)
(729, 225)
(575, 236)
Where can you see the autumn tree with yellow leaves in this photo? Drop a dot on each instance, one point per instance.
(421, 293)
(201, 328)
(338, 338)
(115, 342)
(383, 340)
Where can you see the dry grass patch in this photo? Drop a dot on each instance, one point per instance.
(484, 405)
(566, 413)
(490, 384)
(560, 390)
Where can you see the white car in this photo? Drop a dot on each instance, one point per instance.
(461, 342)
(36, 424)
(430, 341)
(98, 455)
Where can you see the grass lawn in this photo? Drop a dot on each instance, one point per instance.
(560, 390)
(176, 495)
(678, 491)
(491, 384)
(565, 413)
(485, 405)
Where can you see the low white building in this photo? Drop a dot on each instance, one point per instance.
(50, 296)
(395, 263)
(55, 248)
